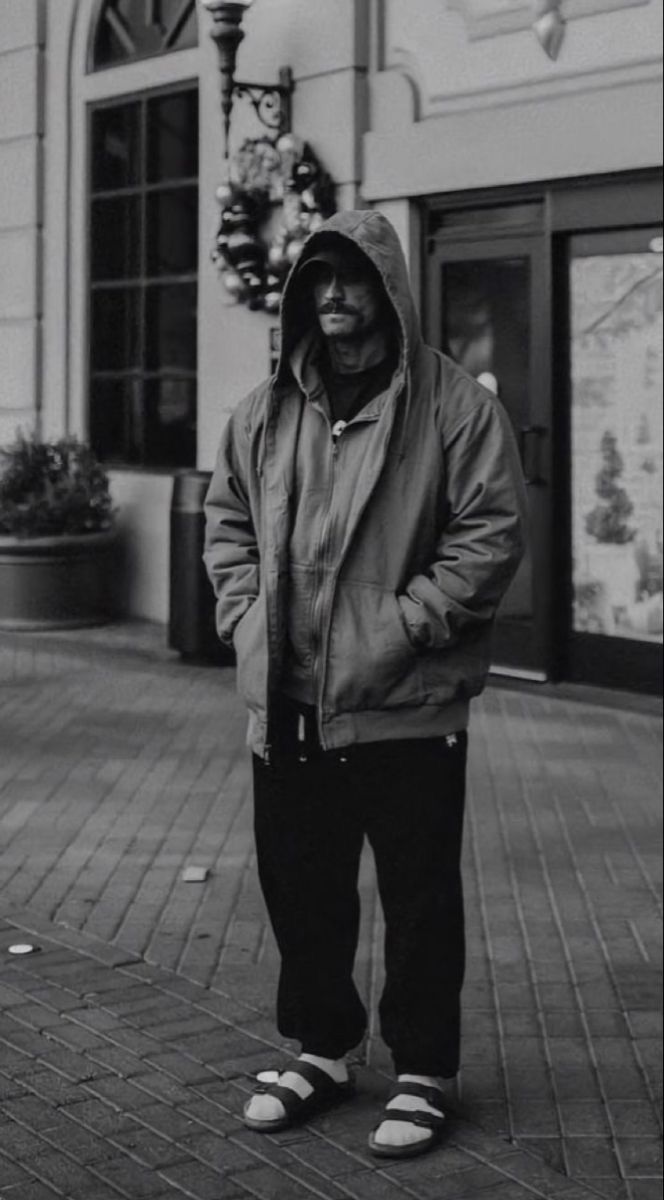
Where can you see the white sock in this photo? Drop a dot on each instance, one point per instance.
(269, 1108)
(402, 1133)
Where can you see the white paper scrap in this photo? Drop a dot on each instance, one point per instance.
(195, 874)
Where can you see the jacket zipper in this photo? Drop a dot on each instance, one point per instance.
(319, 676)
(319, 605)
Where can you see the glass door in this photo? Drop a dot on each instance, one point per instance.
(488, 309)
(615, 353)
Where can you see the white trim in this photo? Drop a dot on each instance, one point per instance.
(140, 76)
(519, 15)
(519, 673)
(569, 84)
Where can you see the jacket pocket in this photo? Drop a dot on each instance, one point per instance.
(372, 663)
(458, 672)
(251, 652)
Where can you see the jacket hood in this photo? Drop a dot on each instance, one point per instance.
(374, 236)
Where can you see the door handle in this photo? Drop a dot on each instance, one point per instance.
(530, 440)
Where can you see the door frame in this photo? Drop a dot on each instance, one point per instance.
(602, 204)
(454, 247)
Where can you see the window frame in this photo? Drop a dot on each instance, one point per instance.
(142, 96)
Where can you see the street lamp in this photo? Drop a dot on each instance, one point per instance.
(271, 101)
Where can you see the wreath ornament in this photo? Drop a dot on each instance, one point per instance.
(262, 174)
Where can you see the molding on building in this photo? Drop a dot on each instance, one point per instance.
(490, 18)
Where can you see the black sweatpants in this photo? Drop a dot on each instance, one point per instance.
(312, 812)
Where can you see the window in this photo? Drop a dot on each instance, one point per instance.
(130, 29)
(143, 253)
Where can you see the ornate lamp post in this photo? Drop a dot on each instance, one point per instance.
(271, 101)
(278, 165)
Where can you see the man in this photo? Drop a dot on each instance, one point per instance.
(363, 521)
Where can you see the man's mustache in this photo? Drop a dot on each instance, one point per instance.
(336, 306)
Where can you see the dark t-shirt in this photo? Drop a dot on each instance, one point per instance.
(348, 392)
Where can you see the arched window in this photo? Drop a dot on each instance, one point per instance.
(143, 242)
(131, 29)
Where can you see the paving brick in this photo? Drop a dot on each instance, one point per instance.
(56, 998)
(591, 1156)
(373, 1185)
(134, 1040)
(120, 1093)
(331, 1161)
(549, 1149)
(20, 1038)
(103, 1192)
(63, 1174)
(75, 1037)
(132, 1179)
(74, 1066)
(205, 1184)
(584, 1118)
(10, 1172)
(29, 1110)
(149, 1148)
(95, 1018)
(160, 1087)
(166, 1121)
(183, 1069)
(34, 1190)
(10, 997)
(73, 1139)
(314, 1181)
(219, 1152)
(210, 1115)
(645, 1189)
(100, 1117)
(189, 1025)
(37, 1016)
(634, 1118)
(118, 1060)
(457, 1185)
(10, 1089)
(640, 1156)
(20, 1143)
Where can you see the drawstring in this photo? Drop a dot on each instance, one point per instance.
(404, 415)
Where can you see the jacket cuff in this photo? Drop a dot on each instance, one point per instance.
(413, 618)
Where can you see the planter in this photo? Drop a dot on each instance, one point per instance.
(56, 582)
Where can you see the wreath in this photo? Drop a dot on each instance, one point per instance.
(262, 174)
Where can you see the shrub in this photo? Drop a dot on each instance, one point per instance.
(608, 520)
(52, 487)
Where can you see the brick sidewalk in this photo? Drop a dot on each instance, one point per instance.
(120, 1079)
(121, 764)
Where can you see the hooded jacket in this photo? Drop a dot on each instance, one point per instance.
(398, 537)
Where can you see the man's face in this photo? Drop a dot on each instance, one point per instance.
(347, 295)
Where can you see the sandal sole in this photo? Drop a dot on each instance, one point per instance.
(412, 1150)
(306, 1113)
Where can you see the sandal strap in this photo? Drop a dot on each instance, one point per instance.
(324, 1087)
(319, 1079)
(290, 1099)
(414, 1117)
(422, 1091)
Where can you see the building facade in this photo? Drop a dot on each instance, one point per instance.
(516, 146)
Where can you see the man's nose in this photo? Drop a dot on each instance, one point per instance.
(334, 287)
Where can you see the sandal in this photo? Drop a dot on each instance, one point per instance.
(326, 1093)
(435, 1122)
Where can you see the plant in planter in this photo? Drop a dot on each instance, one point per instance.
(56, 535)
